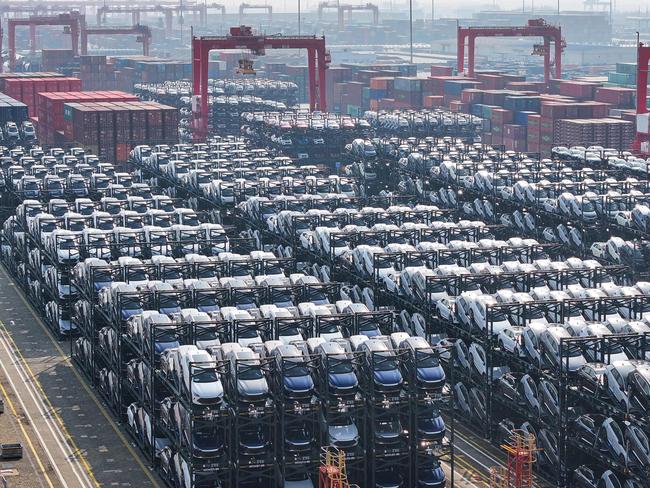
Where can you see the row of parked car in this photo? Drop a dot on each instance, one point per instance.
(275, 211)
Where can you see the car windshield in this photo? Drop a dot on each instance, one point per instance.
(207, 301)
(205, 272)
(385, 363)
(249, 372)
(166, 301)
(205, 376)
(101, 276)
(165, 334)
(247, 333)
(588, 206)
(340, 366)
(130, 303)
(295, 369)
(66, 243)
(48, 226)
(426, 359)
(171, 274)
(136, 275)
(328, 328)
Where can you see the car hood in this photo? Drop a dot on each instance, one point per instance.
(163, 346)
(213, 389)
(253, 387)
(298, 383)
(343, 380)
(434, 374)
(205, 443)
(431, 425)
(390, 377)
(343, 432)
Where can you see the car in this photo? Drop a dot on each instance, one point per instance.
(585, 428)
(547, 441)
(637, 444)
(548, 398)
(584, 477)
(528, 394)
(341, 431)
(337, 363)
(507, 386)
(382, 361)
(461, 397)
(612, 441)
(429, 375)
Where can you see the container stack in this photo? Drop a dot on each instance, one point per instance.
(55, 59)
(11, 110)
(96, 73)
(625, 75)
(112, 129)
(26, 89)
(50, 118)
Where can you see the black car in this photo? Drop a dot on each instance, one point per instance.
(638, 445)
(584, 477)
(592, 378)
(585, 428)
(507, 386)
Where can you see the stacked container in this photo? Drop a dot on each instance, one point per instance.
(50, 113)
(112, 129)
(26, 90)
(11, 110)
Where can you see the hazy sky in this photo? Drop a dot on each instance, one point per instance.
(452, 8)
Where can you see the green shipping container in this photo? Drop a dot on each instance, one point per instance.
(627, 68)
(622, 78)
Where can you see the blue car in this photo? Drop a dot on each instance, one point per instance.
(294, 371)
(382, 361)
(429, 375)
(336, 362)
(433, 478)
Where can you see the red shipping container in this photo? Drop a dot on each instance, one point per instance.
(441, 70)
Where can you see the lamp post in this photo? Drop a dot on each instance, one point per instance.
(411, 27)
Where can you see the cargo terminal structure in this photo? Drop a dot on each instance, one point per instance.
(256, 254)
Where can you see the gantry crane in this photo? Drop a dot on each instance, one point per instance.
(242, 37)
(535, 28)
(248, 6)
(521, 449)
(332, 472)
(135, 12)
(642, 60)
(218, 6)
(343, 8)
(71, 22)
(142, 32)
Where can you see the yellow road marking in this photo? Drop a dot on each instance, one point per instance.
(26, 436)
(92, 395)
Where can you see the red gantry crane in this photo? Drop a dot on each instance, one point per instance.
(242, 37)
(142, 32)
(535, 28)
(641, 142)
(71, 21)
(247, 6)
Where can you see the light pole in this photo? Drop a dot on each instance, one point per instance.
(411, 27)
(298, 17)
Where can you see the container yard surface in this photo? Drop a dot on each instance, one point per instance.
(65, 431)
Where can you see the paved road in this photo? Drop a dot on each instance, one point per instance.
(79, 443)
